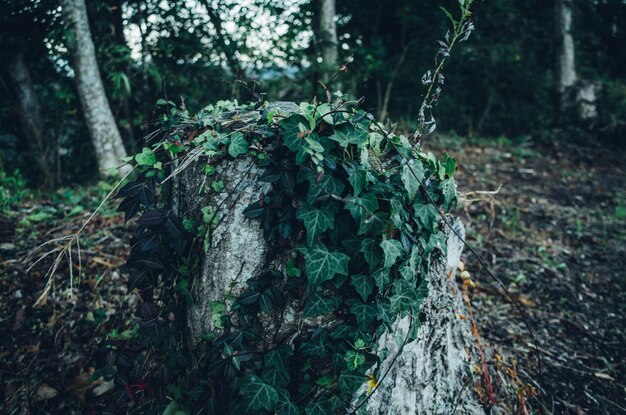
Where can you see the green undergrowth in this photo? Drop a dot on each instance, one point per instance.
(357, 212)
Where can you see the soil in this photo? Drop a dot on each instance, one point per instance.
(554, 235)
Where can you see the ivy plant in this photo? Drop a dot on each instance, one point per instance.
(354, 211)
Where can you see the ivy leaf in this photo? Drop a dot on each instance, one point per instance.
(450, 166)
(294, 127)
(392, 249)
(362, 205)
(412, 175)
(405, 298)
(365, 314)
(381, 277)
(258, 395)
(238, 145)
(316, 221)
(318, 346)
(322, 265)
(146, 158)
(316, 305)
(349, 382)
(398, 214)
(285, 406)
(369, 248)
(276, 377)
(425, 213)
(358, 180)
(347, 134)
(373, 224)
(319, 407)
(354, 359)
(448, 189)
(363, 284)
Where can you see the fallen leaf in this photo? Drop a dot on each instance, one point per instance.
(45, 392)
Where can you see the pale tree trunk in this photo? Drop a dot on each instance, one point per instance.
(431, 375)
(565, 55)
(31, 120)
(105, 136)
(577, 98)
(328, 34)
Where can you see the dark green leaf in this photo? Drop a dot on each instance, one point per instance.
(347, 134)
(365, 314)
(316, 221)
(363, 284)
(293, 129)
(392, 249)
(258, 395)
(349, 382)
(322, 265)
(316, 305)
(362, 205)
(238, 145)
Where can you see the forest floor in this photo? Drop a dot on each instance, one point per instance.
(554, 234)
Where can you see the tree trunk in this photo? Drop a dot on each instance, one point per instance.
(565, 55)
(31, 120)
(328, 35)
(105, 136)
(577, 98)
(431, 374)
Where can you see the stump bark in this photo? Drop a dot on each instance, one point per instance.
(430, 375)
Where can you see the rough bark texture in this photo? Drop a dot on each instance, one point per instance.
(328, 32)
(105, 136)
(431, 375)
(29, 114)
(237, 249)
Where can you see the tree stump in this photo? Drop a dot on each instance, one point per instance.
(429, 375)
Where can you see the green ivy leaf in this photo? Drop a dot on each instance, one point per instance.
(349, 382)
(238, 145)
(365, 314)
(358, 180)
(354, 359)
(450, 166)
(316, 305)
(318, 346)
(319, 407)
(285, 406)
(276, 377)
(412, 175)
(399, 215)
(381, 277)
(316, 222)
(425, 213)
(322, 265)
(370, 250)
(258, 395)
(347, 134)
(404, 298)
(146, 158)
(293, 128)
(363, 284)
(448, 188)
(362, 205)
(392, 249)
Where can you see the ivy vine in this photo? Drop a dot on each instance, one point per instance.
(355, 210)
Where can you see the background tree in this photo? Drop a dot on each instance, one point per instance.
(105, 136)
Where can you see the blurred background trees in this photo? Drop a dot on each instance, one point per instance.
(508, 80)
